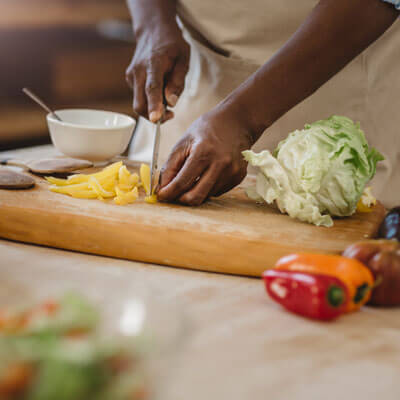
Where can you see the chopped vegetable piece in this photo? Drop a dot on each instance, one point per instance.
(114, 181)
(151, 199)
(145, 178)
(100, 191)
(126, 197)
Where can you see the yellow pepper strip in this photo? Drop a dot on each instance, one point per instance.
(114, 181)
(145, 178)
(134, 179)
(125, 188)
(127, 181)
(68, 189)
(98, 189)
(123, 198)
(85, 194)
(108, 184)
(57, 181)
(123, 175)
(106, 173)
(151, 199)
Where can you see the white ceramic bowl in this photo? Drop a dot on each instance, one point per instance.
(92, 135)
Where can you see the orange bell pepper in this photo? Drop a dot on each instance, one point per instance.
(355, 275)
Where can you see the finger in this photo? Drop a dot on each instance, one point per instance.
(201, 190)
(139, 95)
(220, 189)
(224, 186)
(184, 179)
(172, 167)
(154, 92)
(129, 77)
(176, 82)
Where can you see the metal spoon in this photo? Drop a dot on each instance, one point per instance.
(41, 103)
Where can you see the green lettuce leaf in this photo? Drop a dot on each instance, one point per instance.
(318, 172)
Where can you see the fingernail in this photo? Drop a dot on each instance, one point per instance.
(172, 100)
(155, 116)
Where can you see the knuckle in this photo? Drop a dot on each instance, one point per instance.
(133, 70)
(224, 161)
(237, 170)
(139, 107)
(154, 63)
(192, 199)
(153, 85)
(178, 186)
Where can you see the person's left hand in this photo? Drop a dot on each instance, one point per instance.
(207, 161)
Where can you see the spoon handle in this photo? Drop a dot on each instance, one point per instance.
(39, 101)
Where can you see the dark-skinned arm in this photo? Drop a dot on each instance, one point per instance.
(207, 161)
(160, 60)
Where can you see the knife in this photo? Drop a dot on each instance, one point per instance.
(154, 159)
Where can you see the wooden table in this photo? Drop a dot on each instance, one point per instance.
(241, 345)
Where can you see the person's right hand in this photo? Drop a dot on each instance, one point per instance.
(157, 71)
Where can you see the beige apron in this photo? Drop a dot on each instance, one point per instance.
(230, 39)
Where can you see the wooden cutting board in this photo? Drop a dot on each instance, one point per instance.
(230, 234)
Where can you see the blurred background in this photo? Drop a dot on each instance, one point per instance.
(73, 53)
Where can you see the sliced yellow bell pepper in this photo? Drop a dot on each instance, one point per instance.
(151, 199)
(98, 189)
(145, 178)
(123, 198)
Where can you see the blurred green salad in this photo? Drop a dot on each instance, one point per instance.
(53, 351)
(317, 172)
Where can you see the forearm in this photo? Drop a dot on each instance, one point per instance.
(335, 32)
(153, 14)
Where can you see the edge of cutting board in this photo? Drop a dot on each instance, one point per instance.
(176, 246)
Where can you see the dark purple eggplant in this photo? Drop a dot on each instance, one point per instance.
(390, 226)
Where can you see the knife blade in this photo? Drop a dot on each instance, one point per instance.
(154, 159)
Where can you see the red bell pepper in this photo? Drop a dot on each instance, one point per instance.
(311, 295)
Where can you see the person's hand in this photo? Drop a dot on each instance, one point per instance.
(207, 161)
(157, 71)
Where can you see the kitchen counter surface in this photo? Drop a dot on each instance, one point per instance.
(239, 344)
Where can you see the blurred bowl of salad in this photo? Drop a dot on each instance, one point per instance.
(76, 347)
